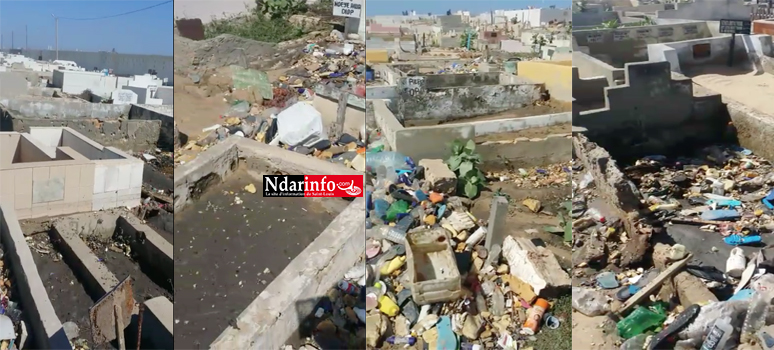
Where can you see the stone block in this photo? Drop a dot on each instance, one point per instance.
(441, 178)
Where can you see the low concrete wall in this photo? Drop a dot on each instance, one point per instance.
(555, 75)
(39, 314)
(62, 109)
(458, 103)
(588, 92)
(432, 141)
(630, 44)
(748, 51)
(754, 129)
(439, 81)
(589, 67)
(275, 315)
(166, 134)
(13, 84)
(129, 135)
(630, 125)
(615, 190)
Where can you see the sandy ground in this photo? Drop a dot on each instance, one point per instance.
(227, 253)
(737, 85)
(588, 334)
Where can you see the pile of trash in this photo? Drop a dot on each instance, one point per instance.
(12, 332)
(281, 112)
(432, 276)
(685, 299)
(339, 318)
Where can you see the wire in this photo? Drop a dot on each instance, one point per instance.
(113, 16)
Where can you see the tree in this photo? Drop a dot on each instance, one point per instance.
(514, 20)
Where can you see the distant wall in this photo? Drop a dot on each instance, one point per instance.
(120, 63)
(623, 45)
(630, 125)
(589, 67)
(709, 10)
(555, 75)
(166, 134)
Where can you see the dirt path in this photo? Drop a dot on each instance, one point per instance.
(738, 85)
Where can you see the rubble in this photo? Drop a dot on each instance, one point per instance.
(441, 278)
(720, 195)
(260, 109)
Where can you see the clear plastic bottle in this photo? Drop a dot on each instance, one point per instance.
(388, 159)
(756, 316)
(636, 343)
(498, 302)
(720, 337)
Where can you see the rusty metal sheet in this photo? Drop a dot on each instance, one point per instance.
(102, 316)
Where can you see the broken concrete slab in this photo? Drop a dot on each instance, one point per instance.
(689, 288)
(441, 178)
(535, 265)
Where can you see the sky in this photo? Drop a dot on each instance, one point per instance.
(146, 32)
(439, 7)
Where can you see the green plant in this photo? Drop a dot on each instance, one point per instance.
(275, 9)
(464, 162)
(579, 6)
(611, 24)
(255, 26)
(539, 41)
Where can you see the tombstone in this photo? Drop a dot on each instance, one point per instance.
(124, 97)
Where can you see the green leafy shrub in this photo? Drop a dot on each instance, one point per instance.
(464, 162)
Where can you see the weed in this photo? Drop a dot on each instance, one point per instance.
(464, 161)
(256, 26)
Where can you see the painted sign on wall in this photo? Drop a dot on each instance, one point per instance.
(347, 8)
(413, 86)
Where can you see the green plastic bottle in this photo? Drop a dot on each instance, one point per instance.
(639, 321)
(396, 208)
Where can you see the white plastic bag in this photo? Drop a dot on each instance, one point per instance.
(299, 123)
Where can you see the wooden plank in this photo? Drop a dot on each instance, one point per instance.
(651, 287)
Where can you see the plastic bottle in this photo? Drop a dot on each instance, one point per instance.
(736, 263)
(534, 317)
(396, 340)
(389, 159)
(640, 320)
(636, 343)
(756, 316)
(380, 208)
(469, 346)
(397, 207)
(720, 337)
(498, 302)
(596, 215)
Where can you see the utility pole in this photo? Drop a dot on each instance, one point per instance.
(56, 23)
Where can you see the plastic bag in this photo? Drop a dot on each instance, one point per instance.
(695, 332)
(300, 123)
(590, 302)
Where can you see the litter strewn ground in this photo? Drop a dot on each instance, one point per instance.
(690, 268)
(465, 259)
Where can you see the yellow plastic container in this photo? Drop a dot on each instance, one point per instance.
(388, 307)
